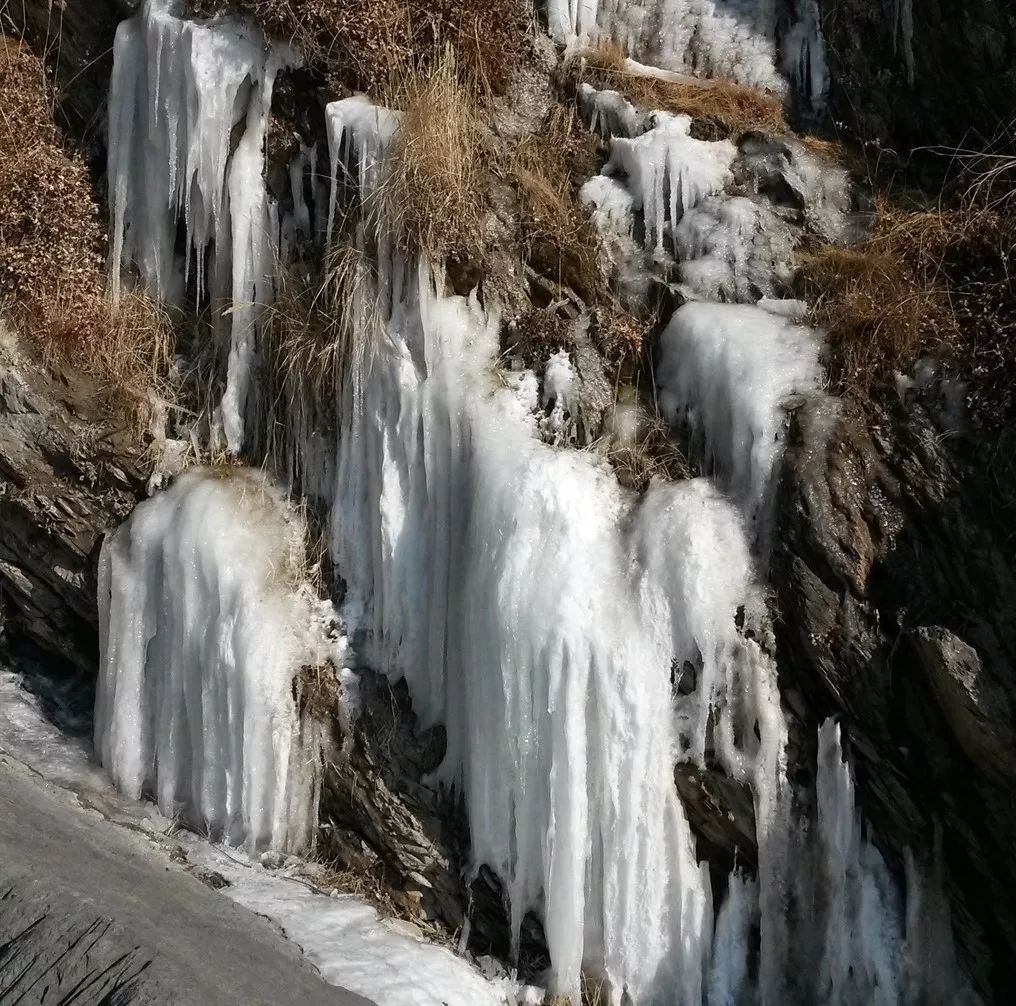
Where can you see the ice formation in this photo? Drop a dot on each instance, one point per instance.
(536, 611)
(732, 249)
(725, 372)
(669, 172)
(203, 630)
(869, 950)
(740, 40)
(180, 90)
(573, 638)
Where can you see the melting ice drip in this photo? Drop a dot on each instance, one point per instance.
(203, 630)
(749, 41)
(180, 90)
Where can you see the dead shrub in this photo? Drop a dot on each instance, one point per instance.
(724, 107)
(52, 252)
(432, 193)
(547, 168)
(537, 335)
(364, 44)
(620, 335)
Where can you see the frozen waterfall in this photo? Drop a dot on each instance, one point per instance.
(748, 41)
(180, 90)
(574, 638)
(204, 629)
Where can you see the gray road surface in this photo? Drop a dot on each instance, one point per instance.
(92, 914)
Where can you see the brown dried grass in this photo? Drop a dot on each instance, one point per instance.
(547, 168)
(723, 106)
(52, 252)
(655, 456)
(432, 195)
(917, 284)
(364, 44)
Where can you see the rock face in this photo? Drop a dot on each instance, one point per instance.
(894, 581)
(68, 472)
(912, 73)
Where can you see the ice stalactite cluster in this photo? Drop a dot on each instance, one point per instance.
(749, 41)
(725, 373)
(536, 610)
(575, 640)
(182, 91)
(204, 627)
(868, 949)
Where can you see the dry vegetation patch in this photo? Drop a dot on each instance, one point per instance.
(432, 194)
(724, 107)
(924, 281)
(363, 44)
(547, 168)
(52, 250)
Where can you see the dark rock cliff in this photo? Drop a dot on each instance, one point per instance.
(893, 581)
(922, 73)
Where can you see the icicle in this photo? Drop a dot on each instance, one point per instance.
(203, 629)
(903, 33)
(669, 171)
(180, 88)
(804, 59)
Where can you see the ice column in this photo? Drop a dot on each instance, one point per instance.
(181, 90)
(203, 629)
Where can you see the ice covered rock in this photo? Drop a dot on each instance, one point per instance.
(743, 40)
(733, 249)
(725, 371)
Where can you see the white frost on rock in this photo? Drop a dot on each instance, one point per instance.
(731, 249)
(725, 371)
(181, 91)
(203, 628)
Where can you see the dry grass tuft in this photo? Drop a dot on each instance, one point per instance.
(52, 252)
(432, 195)
(547, 169)
(316, 692)
(925, 280)
(317, 326)
(364, 44)
(723, 106)
(655, 456)
(620, 335)
(538, 334)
